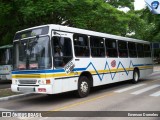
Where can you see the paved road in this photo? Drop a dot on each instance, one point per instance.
(124, 96)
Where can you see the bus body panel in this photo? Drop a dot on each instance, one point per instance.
(102, 73)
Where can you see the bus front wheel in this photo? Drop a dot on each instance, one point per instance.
(83, 87)
(135, 76)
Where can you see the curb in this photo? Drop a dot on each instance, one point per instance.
(15, 96)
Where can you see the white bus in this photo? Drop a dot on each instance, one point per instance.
(6, 62)
(52, 59)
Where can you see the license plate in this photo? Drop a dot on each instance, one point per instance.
(22, 89)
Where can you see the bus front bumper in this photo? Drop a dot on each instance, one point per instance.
(46, 89)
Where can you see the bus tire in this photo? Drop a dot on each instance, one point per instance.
(83, 87)
(135, 76)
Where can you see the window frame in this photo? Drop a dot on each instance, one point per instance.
(123, 49)
(110, 48)
(85, 47)
(103, 55)
(139, 52)
(132, 50)
(147, 51)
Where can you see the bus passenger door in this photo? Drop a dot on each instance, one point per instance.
(63, 59)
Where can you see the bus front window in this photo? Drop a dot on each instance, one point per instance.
(5, 56)
(32, 54)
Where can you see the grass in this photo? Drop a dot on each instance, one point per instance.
(7, 92)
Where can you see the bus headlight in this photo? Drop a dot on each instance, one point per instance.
(42, 82)
(14, 81)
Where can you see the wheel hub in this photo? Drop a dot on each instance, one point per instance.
(136, 76)
(84, 87)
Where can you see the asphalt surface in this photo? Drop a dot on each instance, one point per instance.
(123, 96)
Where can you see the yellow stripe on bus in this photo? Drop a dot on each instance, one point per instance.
(58, 75)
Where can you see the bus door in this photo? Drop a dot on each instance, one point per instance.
(62, 56)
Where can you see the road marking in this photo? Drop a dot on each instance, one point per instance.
(83, 102)
(145, 89)
(128, 88)
(79, 103)
(156, 94)
(86, 101)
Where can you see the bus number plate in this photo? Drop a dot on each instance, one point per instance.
(69, 67)
(26, 89)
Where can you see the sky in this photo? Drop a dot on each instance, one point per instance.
(139, 4)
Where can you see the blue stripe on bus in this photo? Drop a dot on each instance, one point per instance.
(45, 71)
(79, 69)
(138, 65)
(149, 64)
(37, 71)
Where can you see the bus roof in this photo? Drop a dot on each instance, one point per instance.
(6, 46)
(87, 32)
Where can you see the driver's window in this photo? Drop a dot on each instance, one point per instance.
(62, 51)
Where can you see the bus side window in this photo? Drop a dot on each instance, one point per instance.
(111, 47)
(122, 49)
(140, 50)
(97, 46)
(81, 45)
(132, 49)
(147, 50)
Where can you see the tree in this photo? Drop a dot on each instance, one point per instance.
(151, 25)
(121, 3)
(96, 15)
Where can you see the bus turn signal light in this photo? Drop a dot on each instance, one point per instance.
(48, 81)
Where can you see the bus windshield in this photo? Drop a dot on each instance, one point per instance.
(5, 56)
(33, 53)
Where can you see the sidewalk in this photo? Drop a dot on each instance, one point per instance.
(7, 94)
(156, 68)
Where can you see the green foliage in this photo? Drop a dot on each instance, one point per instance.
(122, 3)
(96, 15)
(150, 26)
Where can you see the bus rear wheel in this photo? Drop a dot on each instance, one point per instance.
(135, 76)
(83, 87)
